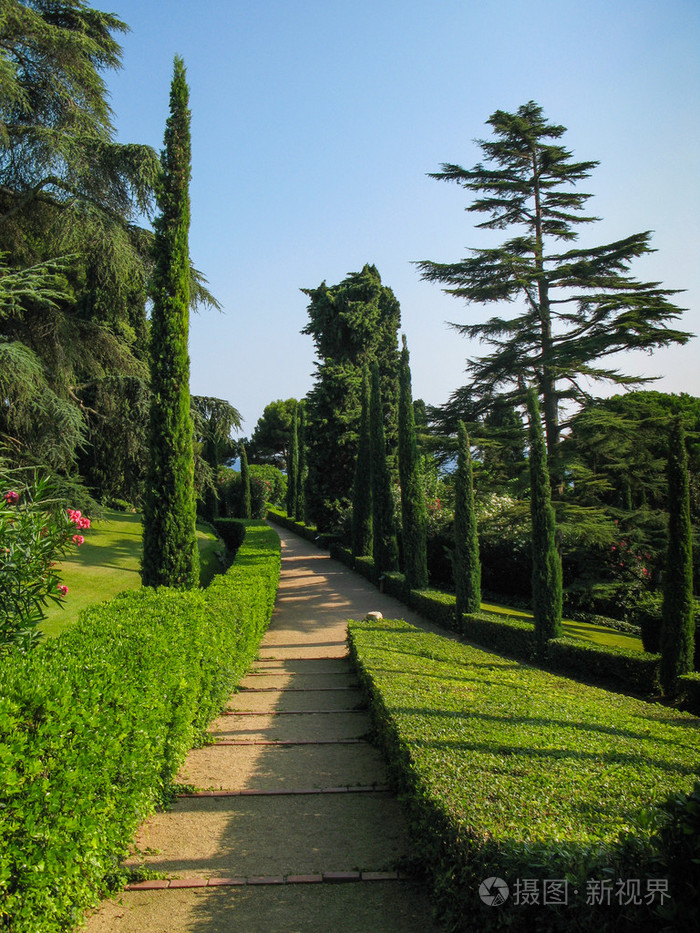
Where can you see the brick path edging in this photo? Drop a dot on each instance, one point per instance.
(328, 877)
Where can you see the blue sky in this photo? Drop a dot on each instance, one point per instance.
(315, 123)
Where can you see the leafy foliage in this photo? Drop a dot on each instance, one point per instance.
(677, 622)
(170, 554)
(576, 306)
(352, 324)
(466, 562)
(413, 520)
(362, 484)
(505, 770)
(270, 440)
(293, 467)
(546, 563)
(94, 725)
(385, 551)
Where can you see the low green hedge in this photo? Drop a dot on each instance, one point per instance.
(95, 724)
(633, 670)
(507, 771)
(231, 531)
(279, 517)
(690, 692)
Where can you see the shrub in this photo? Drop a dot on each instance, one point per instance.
(611, 666)
(689, 689)
(94, 725)
(274, 479)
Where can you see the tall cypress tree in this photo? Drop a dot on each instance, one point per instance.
(677, 622)
(362, 486)
(302, 469)
(466, 565)
(384, 547)
(247, 508)
(293, 468)
(415, 554)
(170, 555)
(546, 563)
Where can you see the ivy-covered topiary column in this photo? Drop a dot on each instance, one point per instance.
(415, 548)
(466, 564)
(677, 622)
(293, 468)
(362, 486)
(546, 562)
(246, 501)
(385, 550)
(170, 555)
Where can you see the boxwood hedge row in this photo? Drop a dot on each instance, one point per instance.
(94, 725)
(510, 772)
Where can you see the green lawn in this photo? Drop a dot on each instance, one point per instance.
(109, 563)
(598, 634)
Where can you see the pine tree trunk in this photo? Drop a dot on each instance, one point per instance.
(546, 563)
(466, 563)
(677, 622)
(170, 554)
(415, 556)
(362, 486)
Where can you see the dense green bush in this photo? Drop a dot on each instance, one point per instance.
(689, 689)
(231, 531)
(94, 725)
(274, 478)
(229, 487)
(513, 772)
(279, 517)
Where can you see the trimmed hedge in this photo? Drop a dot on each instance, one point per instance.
(634, 670)
(280, 517)
(689, 689)
(512, 772)
(231, 531)
(95, 724)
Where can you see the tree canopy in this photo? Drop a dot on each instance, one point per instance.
(575, 306)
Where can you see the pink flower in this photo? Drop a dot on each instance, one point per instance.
(12, 497)
(78, 539)
(62, 589)
(83, 523)
(73, 514)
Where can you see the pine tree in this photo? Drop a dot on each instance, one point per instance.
(302, 469)
(546, 563)
(677, 622)
(170, 554)
(415, 555)
(362, 486)
(384, 547)
(578, 305)
(466, 563)
(246, 501)
(293, 467)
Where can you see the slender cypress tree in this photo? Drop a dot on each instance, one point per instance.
(677, 623)
(415, 533)
(247, 509)
(302, 468)
(362, 487)
(293, 468)
(170, 555)
(466, 566)
(385, 550)
(546, 563)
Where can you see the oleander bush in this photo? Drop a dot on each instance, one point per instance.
(512, 772)
(94, 725)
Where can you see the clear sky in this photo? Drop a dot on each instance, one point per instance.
(315, 123)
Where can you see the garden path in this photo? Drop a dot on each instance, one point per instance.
(296, 829)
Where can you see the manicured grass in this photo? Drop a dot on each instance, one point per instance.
(597, 634)
(109, 563)
(523, 770)
(520, 751)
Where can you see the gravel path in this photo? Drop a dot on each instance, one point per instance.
(292, 827)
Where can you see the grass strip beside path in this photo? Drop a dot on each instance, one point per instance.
(514, 772)
(109, 562)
